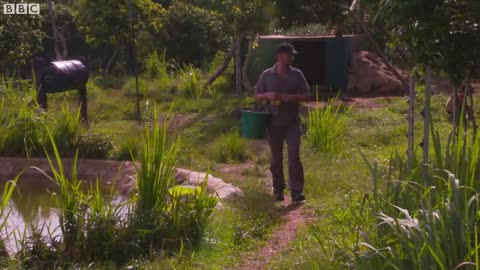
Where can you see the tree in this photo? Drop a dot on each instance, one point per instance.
(245, 18)
(106, 22)
(191, 34)
(292, 13)
(21, 37)
(443, 34)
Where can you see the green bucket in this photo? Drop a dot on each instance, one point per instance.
(254, 124)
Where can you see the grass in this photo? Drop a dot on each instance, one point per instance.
(326, 127)
(340, 195)
(230, 147)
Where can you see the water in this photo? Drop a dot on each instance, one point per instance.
(35, 204)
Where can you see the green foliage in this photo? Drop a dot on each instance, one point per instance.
(326, 127)
(156, 67)
(190, 84)
(128, 148)
(192, 35)
(301, 12)
(23, 127)
(160, 213)
(156, 174)
(94, 144)
(429, 216)
(21, 121)
(230, 147)
(107, 21)
(248, 17)
(442, 34)
(66, 131)
(22, 37)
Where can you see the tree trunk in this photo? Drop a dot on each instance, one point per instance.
(226, 61)
(63, 40)
(339, 21)
(246, 82)
(110, 62)
(238, 66)
(59, 42)
(471, 112)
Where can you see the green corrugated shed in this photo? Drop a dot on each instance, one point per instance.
(323, 59)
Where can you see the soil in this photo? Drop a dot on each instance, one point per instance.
(293, 217)
(356, 102)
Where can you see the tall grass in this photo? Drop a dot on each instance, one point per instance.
(155, 66)
(66, 131)
(326, 128)
(165, 218)
(21, 120)
(230, 147)
(5, 212)
(156, 172)
(429, 218)
(163, 81)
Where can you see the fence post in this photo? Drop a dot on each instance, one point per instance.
(427, 116)
(411, 122)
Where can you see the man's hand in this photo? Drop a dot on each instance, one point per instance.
(268, 96)
(272, 96)
(293, 98)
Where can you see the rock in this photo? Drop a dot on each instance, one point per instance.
(369, 76)
(215, 185)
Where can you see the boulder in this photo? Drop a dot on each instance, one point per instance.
(369, 76)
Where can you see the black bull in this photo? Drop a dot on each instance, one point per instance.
(60, 76)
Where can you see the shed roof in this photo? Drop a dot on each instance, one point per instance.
(301, 37)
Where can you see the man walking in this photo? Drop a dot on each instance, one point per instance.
(284, 87)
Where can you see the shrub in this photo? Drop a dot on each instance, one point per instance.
(94, 144)
(230, 147)
(127, 148)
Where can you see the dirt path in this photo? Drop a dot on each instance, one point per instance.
(293, 216)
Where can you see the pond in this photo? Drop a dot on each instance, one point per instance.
(35, 200)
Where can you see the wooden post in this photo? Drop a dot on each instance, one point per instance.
(134, 61)
(238, 66)
(82, 100)
(411, 122)
(455, 111)
(427, 117)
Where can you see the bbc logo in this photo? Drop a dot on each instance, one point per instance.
(22, 9)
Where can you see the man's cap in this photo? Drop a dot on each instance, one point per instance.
(286, 48)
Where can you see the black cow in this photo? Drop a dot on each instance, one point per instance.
(61, 76)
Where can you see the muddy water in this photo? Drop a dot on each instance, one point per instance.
(34, 204)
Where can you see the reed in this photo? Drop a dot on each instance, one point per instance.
(429, 218)
(326, 127)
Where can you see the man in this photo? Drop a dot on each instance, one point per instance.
(283, 87)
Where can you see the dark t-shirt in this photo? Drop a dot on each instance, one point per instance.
(286, 113)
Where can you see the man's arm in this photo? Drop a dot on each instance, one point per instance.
(261, 93)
